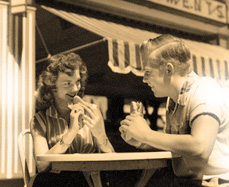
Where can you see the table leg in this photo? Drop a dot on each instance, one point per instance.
(145, 176)
(87, 176)
(95, 175)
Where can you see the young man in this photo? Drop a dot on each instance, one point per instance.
(64, 122)
(197, 118)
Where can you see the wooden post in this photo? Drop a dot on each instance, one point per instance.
(17, 72)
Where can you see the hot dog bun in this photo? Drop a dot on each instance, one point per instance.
(136, 107)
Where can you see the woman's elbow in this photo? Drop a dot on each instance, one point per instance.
(43, 166)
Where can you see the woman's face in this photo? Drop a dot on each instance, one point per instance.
(67, 87)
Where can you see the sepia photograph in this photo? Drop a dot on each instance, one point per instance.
(114, 93)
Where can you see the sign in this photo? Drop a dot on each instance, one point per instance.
(204, 8)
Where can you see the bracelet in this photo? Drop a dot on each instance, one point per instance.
(63, 143)
(141, 146)
(106, 142)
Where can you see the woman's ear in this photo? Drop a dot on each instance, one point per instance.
(53, 90)
(169, 69)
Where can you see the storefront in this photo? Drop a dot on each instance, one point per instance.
(118, 27)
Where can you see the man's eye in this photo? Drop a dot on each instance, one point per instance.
(146, 73)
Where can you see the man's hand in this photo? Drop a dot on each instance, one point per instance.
(136, 126)
(128, 138)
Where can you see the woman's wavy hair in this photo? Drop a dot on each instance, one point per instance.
(168, 48)
(65, 63)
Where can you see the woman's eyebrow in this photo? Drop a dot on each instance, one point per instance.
(66, 79)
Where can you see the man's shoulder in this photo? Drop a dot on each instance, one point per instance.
(208, 80)
(207, 84)
(205, 92)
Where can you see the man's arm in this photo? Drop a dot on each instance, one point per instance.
(199, 143)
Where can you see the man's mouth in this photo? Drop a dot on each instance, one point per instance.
(151, 86)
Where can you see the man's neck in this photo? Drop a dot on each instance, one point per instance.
(178, 84)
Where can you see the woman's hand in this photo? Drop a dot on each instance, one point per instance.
(92, 118)
(75, 117)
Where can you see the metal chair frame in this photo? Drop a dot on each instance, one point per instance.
(89, 176)
(21, 148)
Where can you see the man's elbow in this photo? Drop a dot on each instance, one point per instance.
(202, 152)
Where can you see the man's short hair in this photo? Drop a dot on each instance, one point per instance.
(167, 48)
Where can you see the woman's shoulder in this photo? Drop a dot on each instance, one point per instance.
(40, 114)
(38, 123)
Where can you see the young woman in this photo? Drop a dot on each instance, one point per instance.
(64, 122)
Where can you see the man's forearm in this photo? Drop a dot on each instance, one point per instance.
(180, 144)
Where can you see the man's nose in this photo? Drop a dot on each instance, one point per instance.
(144, 79)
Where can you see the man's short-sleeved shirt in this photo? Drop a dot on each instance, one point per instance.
(52, 127)
(201, 96)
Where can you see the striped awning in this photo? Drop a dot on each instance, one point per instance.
(124, 44)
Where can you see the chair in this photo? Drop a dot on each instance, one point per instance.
(21, 148)
(91, 177)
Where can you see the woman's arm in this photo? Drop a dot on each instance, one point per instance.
(104, 145)
(94, 120)
(40, 143)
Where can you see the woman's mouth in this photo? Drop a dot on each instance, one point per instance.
(71, 96)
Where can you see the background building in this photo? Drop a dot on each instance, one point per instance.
(106, 34)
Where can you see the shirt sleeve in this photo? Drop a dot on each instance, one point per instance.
(206, 99)
(38, 124)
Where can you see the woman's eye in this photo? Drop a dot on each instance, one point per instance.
(67, 83)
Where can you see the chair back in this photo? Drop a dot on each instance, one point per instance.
(22, 153)
(90, 176)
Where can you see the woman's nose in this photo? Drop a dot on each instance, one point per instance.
(76, 87)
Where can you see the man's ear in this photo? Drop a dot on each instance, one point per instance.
(169, 69)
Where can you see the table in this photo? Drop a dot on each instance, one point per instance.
(93, 163)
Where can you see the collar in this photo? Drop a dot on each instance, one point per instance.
(52, 112)
(182, 97)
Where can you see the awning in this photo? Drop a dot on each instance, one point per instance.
(123, 46)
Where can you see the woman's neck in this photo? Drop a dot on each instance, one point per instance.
(63, 112)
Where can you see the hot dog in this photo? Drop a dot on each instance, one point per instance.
(135, 108)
